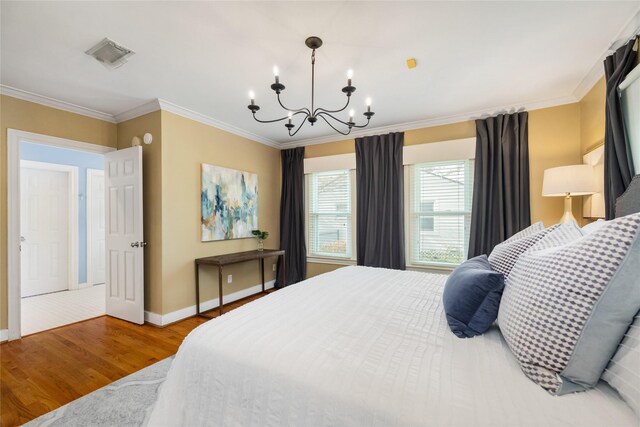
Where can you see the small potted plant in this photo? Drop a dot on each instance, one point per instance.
(261, 236)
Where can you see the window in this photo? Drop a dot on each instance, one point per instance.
(426, 221)
(329, 220)
(440, 196)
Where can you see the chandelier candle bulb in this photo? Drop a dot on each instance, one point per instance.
(252, 97)
(276, 73)
(349, 77)
(368, 102)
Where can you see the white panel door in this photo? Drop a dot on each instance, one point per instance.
(124, 235)
(44, 223)
(95, 227)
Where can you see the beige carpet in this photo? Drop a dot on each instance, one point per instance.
(48, 311)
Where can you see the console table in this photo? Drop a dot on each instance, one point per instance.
(227, 259)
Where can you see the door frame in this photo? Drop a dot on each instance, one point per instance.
(14, 138)
(91, 173)
(72, 234)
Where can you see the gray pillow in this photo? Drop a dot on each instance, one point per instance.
(504, 256)
(565, 310)
(623, 372)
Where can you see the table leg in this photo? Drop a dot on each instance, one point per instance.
(220, 288)
(262, 272)
(197, 289)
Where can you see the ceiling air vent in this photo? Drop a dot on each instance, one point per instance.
(110, 54)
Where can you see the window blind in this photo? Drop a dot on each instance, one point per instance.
(329, 214)
(440, 197)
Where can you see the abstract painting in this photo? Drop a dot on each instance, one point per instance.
(229, 201)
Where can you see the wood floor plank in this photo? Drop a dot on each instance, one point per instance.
(44, 371)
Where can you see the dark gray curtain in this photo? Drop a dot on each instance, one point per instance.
(380, 201)
(292, 238)
(618, 169)
(501, 181)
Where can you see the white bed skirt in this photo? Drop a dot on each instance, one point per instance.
(360, 347)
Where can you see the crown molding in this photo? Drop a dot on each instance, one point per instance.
(160, 104)
(140, 110)
(436, 121)
(55, 103)
(629, 30)
(190, 114)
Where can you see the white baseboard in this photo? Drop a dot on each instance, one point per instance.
(4, 335)
(174, 316)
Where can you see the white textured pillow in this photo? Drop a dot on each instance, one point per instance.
(623, 372)
(563, 234)
(593, 226)
(564, 311)
(529, 231)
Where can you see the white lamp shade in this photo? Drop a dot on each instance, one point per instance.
(575, 180)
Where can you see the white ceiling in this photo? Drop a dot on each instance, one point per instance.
(473, 57)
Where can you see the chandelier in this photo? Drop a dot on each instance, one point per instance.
(312, 114)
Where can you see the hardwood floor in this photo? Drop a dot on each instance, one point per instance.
(44, 371)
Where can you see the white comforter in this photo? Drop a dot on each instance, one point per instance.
(360, 347)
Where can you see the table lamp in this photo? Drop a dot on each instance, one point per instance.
(569, 181)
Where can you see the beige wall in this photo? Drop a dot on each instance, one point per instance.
(171, 180)
(557, 136)
(554, 140)
(411, 137)
(152, 200)
(36, 118)
(592, 110)
(185, 145)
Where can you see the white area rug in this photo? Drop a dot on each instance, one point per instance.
(126, 402)
(49, 311)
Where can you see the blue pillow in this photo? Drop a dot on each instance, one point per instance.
(472, 296)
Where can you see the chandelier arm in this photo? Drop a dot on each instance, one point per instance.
(332, 126)
(298, 110)
(281, 119)
(322, 114)
(299, 127)
(324, 110)
(362, 126)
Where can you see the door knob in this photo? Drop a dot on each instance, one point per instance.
(135, 244)
(143, 244)
(22, 238)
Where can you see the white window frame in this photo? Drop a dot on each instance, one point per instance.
(320, 259)
(459, 149)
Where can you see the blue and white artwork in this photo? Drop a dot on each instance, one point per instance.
(229, 203)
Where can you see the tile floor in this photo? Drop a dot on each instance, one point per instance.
(48, 311)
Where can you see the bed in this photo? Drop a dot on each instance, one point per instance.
(364, 347)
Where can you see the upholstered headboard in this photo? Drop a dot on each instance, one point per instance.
(629, 202)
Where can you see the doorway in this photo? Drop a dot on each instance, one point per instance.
(56, 220)
(62, 236)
